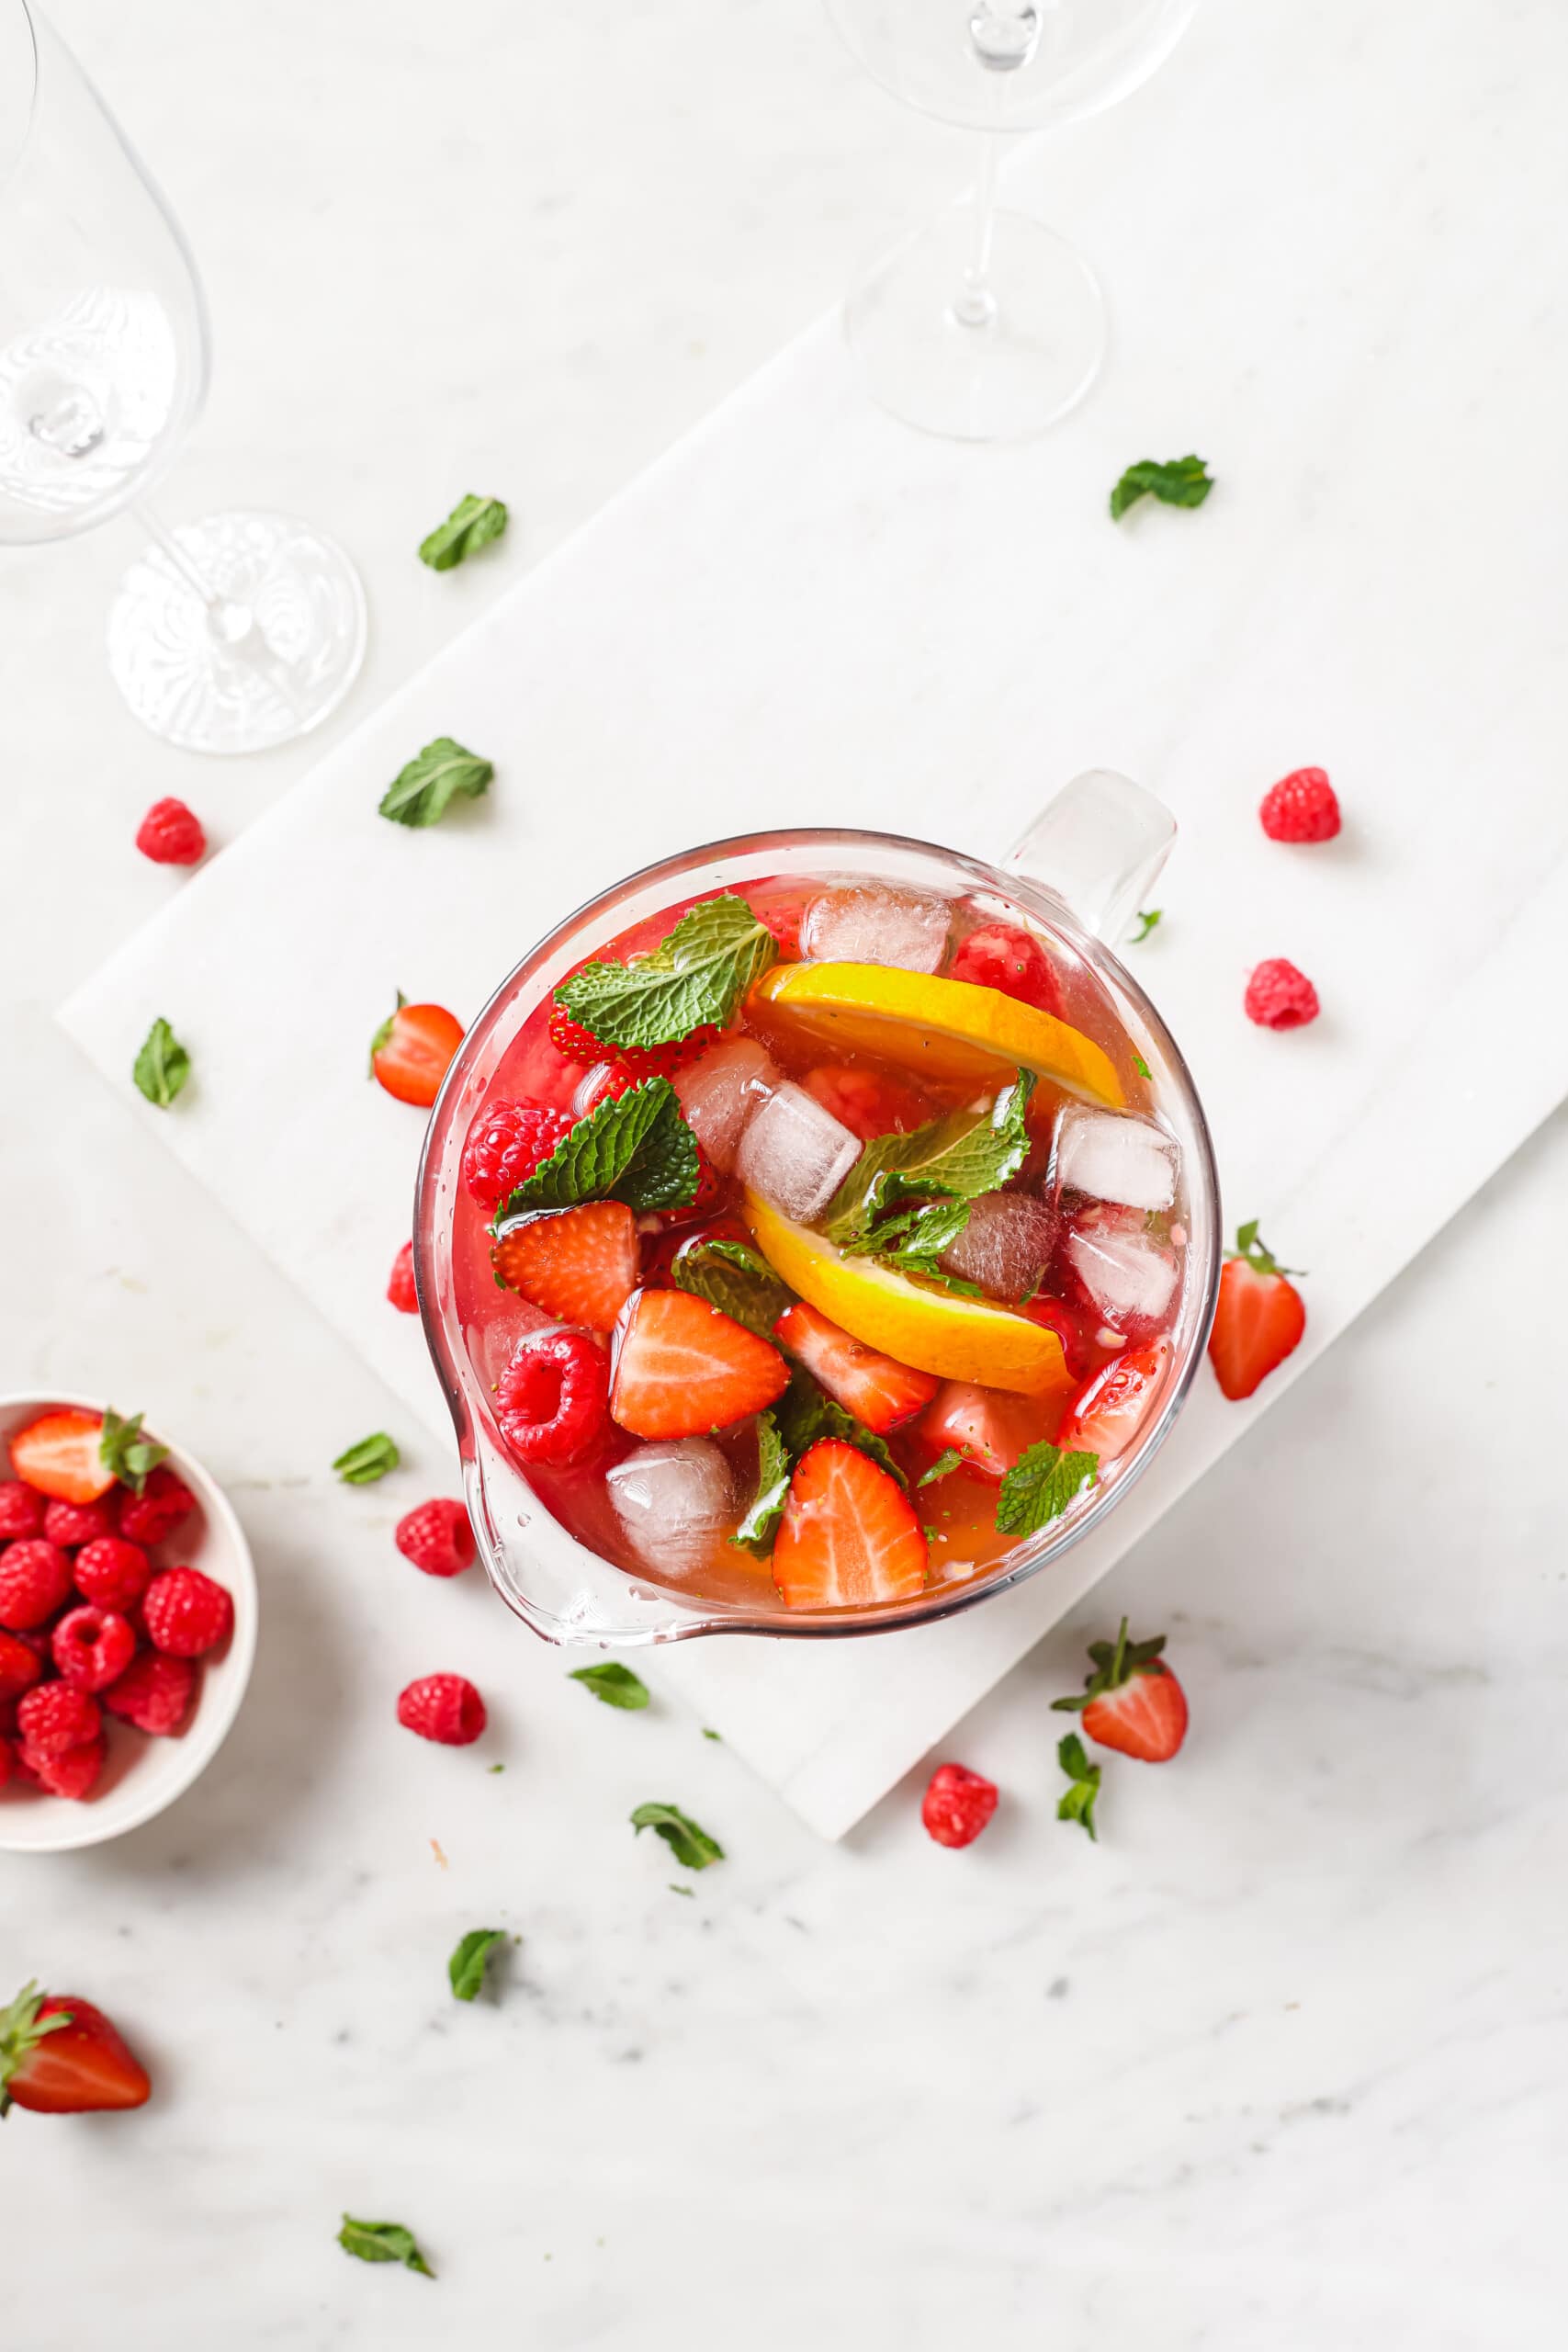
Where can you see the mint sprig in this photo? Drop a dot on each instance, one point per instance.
(1177, 481)
(775, 1466)
(734, 1277)
(124, 1450)
(466, 1968)
(697, 975)
(163, 1065)
(1042, 1485)
(471, 524)
(614, 1684)
(421, 793)
(967, 1153)
(382, 2242)
(912, 1239)
(362, 1464)
(1077, 1801)
(636, 1147)
(689, 1844)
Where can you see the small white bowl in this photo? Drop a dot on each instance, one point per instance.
(142, 1774)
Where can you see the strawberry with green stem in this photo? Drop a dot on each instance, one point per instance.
(60, 2055)
(1132, 1701)
(1259, 1317)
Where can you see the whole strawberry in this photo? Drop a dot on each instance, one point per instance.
(1132, 1701)
(60, 2055)
(400, 1290)
(154, 1693)
(164, 1504)
(170, 835)
(21, 1510)
(443, 1707)
(53, 1717)
(957, 1805)
(34, 1577)
(186, 1613)
(1301, 807)
(112, 1573)
(437, 1538)
(507, 1142)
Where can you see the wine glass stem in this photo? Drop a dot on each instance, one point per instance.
(976, 305)
(227, 617)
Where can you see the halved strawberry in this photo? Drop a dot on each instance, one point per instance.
(409, 1052)
(1132, 1701)
(62, 1454)
(1259, 1318)
(682, 1368)
(1110, 1408)
(877, 1389)
(579, 1265)
(989, 1427)
(865, 1101)
(849, 1537)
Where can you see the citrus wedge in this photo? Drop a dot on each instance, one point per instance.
(934, 1330)
(953, 1030)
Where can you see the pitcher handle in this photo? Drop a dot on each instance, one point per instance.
(1099, 847)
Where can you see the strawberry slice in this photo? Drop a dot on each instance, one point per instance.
(989, 1427)
(1110, 1408)
(682, 1368)
(877, 1389)
(1132, 1701)
(849, 1537)
(1259, 1318)
(62, 1454)
(579, 1265)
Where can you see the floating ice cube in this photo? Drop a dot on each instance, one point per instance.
(796, 1154)
(673, 1500)
(1005, 1245)
(1115, 1156)
(493, 1342)
(858, 925)
(720, 1093)
(1129, 1277)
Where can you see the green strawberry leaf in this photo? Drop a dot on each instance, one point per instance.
(1255, 1252)
(1040, 1485)
(967, 1153)
(421, 793)
(774, 1465)
(636, 1147)
(691, 1846)
(1077, 1801)
(362, 1464)
(733, 1277)
(946, 1463)
(382, 2242)
(1179, 482)
(124, 1450)
(163, 1065)
(383, 1036)
(616, 1684)
(1115, 1663)
(472, 523)
(466, 1968)
(21, 2030)
(697, 975)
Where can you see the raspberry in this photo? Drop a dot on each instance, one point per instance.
(399, 1288)
(111, 1572)
(506, 1142)
(577, 1043)
(34, 1577)
(70, 1524)
(154, 1693)
(54, 1717)
(1278, 997)
(443, 1707)
(437, 1538)
(603, 1083)
(92, 1647)
(957, 1805)
(186, 1613)
(1000, 956)
(553, 1400)
(1301, 807)
(21, 1510)
(170, 835)
(70, 1774)
(164, 1501)
(20, 1667)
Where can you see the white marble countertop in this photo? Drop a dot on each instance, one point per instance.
(1283, 2057)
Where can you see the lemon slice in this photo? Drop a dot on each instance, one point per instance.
(949, 1030)
(934, 1330)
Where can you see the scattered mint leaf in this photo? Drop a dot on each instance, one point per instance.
(1146, 922)
(362, 1464)
(421, 793)
(1040, 1485)
(1076, 1801)
(498, 1768)
(163, 1065)
(382, 2242)
(471, 524)
(1179, 482)
(674, 1889)
(1141, 1065)
(467, 1966)
(804, 1414)
(616, 1684)
(774, 1464)
(712, 1734)
(967, 1153)
(635, 1147)
(733, 1277)
(692, 1847)
(943, 1466)
(698, 974)
(124, 1450)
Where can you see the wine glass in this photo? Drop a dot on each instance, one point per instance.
(230, 634)
(986, 325)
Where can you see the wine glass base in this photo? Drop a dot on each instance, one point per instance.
(1029, 356)
(264, 654)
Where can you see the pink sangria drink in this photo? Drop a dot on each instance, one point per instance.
(819, 1242)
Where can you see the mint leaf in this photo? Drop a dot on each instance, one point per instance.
(774, 1465)
(422, 793)
(691, 1846)
(804, 1414)
(635, 1147)
(382, 2242)
(1146, 922)
(124, 1450)
(1076, 1803)
(1141, 1065)
(712, 1734)
(362, 1464)
(163, 1065)
(946, 1463)
(1040, 1485)
(967, 1153)
(1179, 482)
(698, 974)
(911, 1240)
(616, 1684)
(471, 524)
(466, 1968)
(733, 1277)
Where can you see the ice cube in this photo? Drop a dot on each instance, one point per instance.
(796, 1154)
(1005, 1245)
(1129, 1277)
(1115, 1156)
(720, 1093)
(857, 923)
(493, 1343)
(673, 1500)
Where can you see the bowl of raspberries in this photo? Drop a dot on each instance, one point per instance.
(128, 1623)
